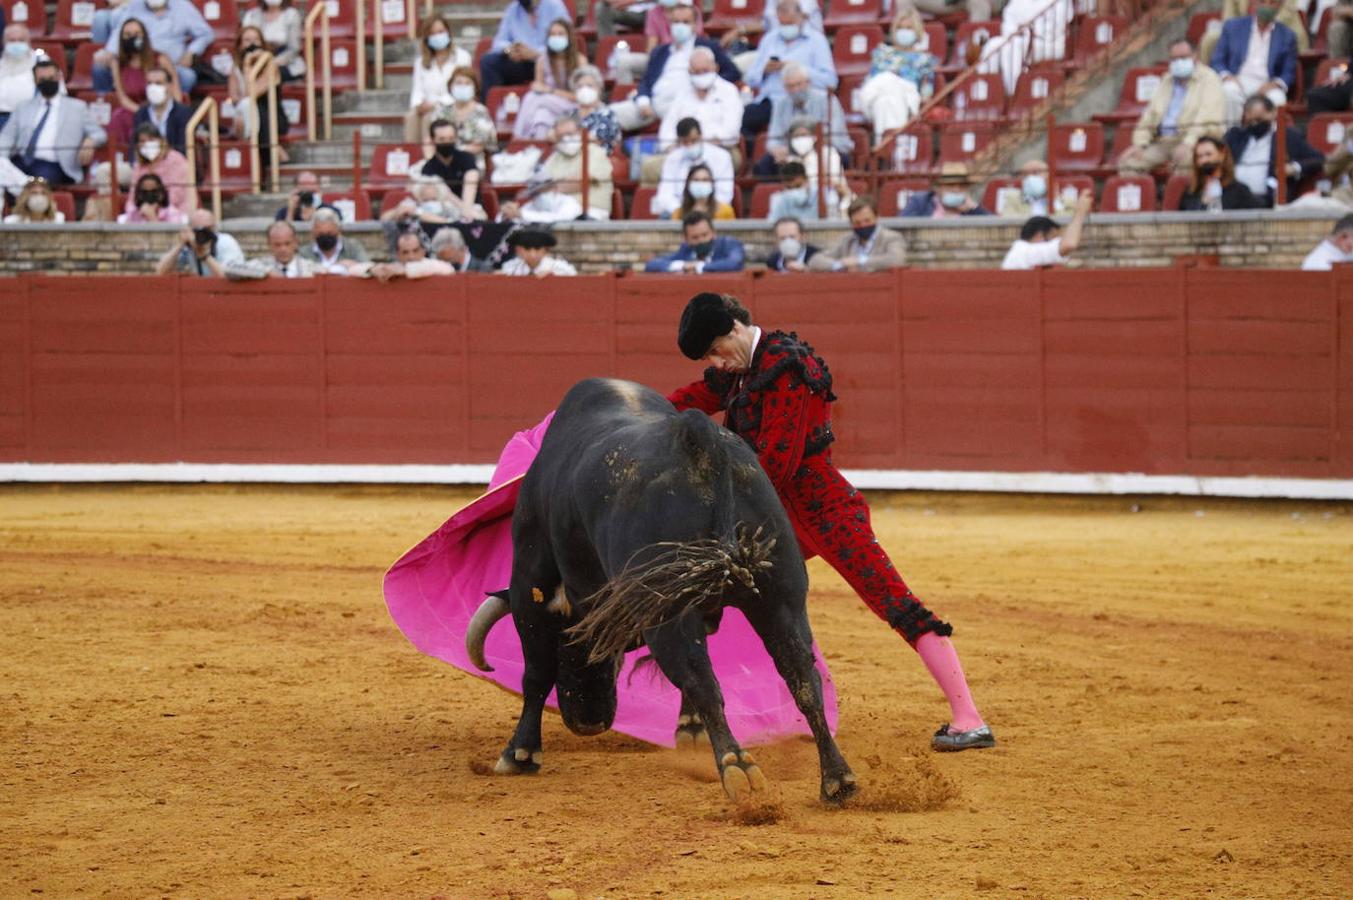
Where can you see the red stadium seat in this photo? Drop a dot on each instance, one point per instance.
(601, 57)
(1198, 26)
(911, 151)
(761, 195)
(991, 194)
(894, 194)
(342, 63)
(394, 17)
(1326, 67)
(73, 20)
(503, 103)
(1076, 146)
(222, 15)
(236, 167)
(961, 141)
(1128, 194)
(980, 98)
(32, 13)
(99, 106)
(82, 75)
(488, 198)
(1122, 139)
(1175, 189)
(641, 204)
(390, 163)
(355, 206)
(484, 45)
(848, 92)
(292, 101)
(393, 198)
(852, 12)
(65, 204)
(1326, 132)
(972, 32)
(732, 13)
(1069, 186)
(852, 47)
(1033, 88)
(1095, 34)
(56, 51)
(937, 40)
(1138, 86)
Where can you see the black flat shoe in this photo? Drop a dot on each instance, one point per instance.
(947, 741)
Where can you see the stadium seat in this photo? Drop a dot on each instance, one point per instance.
(894, 194)
(641, 204)
(937, 40)
(99, 107)
(73, 20)
(852, 12)
(761, 195)
(1033, 88)
(960, 142)
(1326, 67)
(1326, 131)
(1138, 86)
(1128, 194)
(991, 193)
(1076, 146)
(393, 198)
(56, 51)
(1095, 34)
(980, 98)
(503, 103)
(355, 206)
(222, 15)
(483, 46)
(236, 167)
(1175, 189)
(852, 47)
(65, 204)
(1070, 186)
(390, 164)
(848, 92)
(32, 13)
(292, 101)
(1198, 26)
(601, 56)
(82, 74)
(488, 198)
(911, 151)
(732, 13)
(1122, 139)
(394, 17)
(971, 32)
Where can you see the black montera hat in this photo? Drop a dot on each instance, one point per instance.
(532, 239)
(705, 318)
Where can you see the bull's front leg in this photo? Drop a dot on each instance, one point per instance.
(690, 730)
(523, 753)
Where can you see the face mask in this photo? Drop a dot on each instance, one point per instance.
(1266, 15)
(273, 4)
(157, 4)
(668, 3)
(790, 248)
(150, 150)
(157, 94)
(1034, 186)
(48, 87)
(802, 145)
(704, 81)
(144, 197)
(953, 199)
(681, 32)
(439, 41)
(1258, 129)
(251, 48)
(1209, 169)
(444, 149)
(798, 195)
(570, 146)
(702, 249)
(431, 207)
(693, 151)
(587, 95)
(135, 43)
(17, 49)
(798, 98)
(701, 190)
(1182, 68)
(326, 242)
(462, 93)
(865, 233)
(557, 43)
(904, 37)
(526, 4)
(39, 204)
(789, 32)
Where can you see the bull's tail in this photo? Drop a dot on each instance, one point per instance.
(663, 581)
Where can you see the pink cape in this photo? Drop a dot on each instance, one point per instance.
(434, 589)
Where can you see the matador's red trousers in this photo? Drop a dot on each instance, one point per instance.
(831, 520)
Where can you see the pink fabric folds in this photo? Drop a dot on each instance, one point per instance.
(434, 589)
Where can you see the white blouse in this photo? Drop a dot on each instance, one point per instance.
(433, 84)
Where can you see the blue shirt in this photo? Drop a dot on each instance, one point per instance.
(1169, 123)
(178, 29)
(809, 48)
(517, 27)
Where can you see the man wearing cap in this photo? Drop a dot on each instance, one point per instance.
(777, 393)
(950, 195)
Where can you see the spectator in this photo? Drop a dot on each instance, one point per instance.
(795, 200)
(1287, 15)
(668, 73)
(302, 200)
(173, 27)
(153, 154)
(51, 135)
(690, 151)
(448, 245)
(901, 76)
(282, 260)
(1332, 95)
(1030, 196)
(99, 205)
(135, 58)
(950, 195)
(978, 10)
(281, 25)
(1337, 248)
(201, 249)
(35, 204)
(597, 118)
(790, 42)
(429, 202)
(565, 168)
(1185, 107)
(801, 101)
(1212, 184)
(433, 72)
(532, 247)
(1255, 55)
(550, 96)
(698, 194)
(1254, 149)
(456, 167)
(868, 248)
(1041, 242)
(162, 112)
(149, 202)
(803, 149)
(475, 132)
(739, 40)
(16, 70)
(656, 25)
(519, 41)
(1032, 31)
(701, 251)
(251, 116)
(101, 28)
(792, 253)
(409, 253)
(712, 101)
(329, 252)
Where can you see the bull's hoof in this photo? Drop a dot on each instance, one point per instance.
(691, 733)
(518, 761)
(741, 776)
(836, 791)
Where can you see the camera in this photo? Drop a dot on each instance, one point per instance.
(204, 236)
(306, 198)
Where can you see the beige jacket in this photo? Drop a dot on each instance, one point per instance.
(1204, 111)
(889, 252)
(569, 170)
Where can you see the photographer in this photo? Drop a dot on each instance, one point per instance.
(303, 200)
(201, 250)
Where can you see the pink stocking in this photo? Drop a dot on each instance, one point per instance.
(941, 659)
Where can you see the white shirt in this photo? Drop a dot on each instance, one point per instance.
(1254, 73)
(676, 166)
(331, 264)
(1252, 167)
(719, 113)
(46, 148)
(549, 265)
(433, 84)
(1323, 257)
(676, 75)
(292, 269)
(16, 80)
(1030, 255)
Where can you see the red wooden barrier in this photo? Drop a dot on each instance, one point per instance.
(1179, 371)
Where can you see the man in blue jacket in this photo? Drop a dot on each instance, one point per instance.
(1255, 55)
(702, 251)
(1254, 145)
(169, 117)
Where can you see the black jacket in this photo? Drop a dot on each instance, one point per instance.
(776, 264)
(1299, 151)
(1233, 196)
(176, 126)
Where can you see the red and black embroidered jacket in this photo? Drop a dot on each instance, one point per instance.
(781, 407)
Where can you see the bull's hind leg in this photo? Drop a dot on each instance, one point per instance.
(681, 652)
(789, 641)
(690, 730)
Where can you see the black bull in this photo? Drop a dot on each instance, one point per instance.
(638, 524)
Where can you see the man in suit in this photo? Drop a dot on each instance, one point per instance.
(702, 251)
(169, 117)
(868, 248)
(329, 252)
(282, 261)
(51, 136)
(1254, 148)
(1255, 55)
(791, 253)
(1188, 104)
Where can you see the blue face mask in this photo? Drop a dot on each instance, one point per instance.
(796, 195)
(439, 41)
(790, 32)
(865, 234)
(557, 43)
(681, 32)
(953, 199)
(1034, 186)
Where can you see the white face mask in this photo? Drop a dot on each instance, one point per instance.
(693, 151)
(587, 95)
(557, 43)
(681, 32)
(156, 94)
(17, 49)
(790, 32)
(701, 190)
(462, 92)
(704, 80)
(569, 146)
(802, 145)
(1182, 68)
(438, 41)
(272, 3)
(150, 150)
(904, 37)
(38, 204)
(1035, 186)
(157, 4)
(790, 248)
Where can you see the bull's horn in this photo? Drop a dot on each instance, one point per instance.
(490, 611)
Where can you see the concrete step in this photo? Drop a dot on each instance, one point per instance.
(377, 129)
(386, 100)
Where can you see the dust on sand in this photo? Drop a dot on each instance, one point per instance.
(203, 696)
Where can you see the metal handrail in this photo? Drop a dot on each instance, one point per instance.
(318, 10)
(209, 110)
(411, 23)
(251, 76)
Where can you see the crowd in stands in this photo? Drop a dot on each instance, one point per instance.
(691, 116)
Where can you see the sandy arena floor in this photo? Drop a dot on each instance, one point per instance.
(201, 695)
